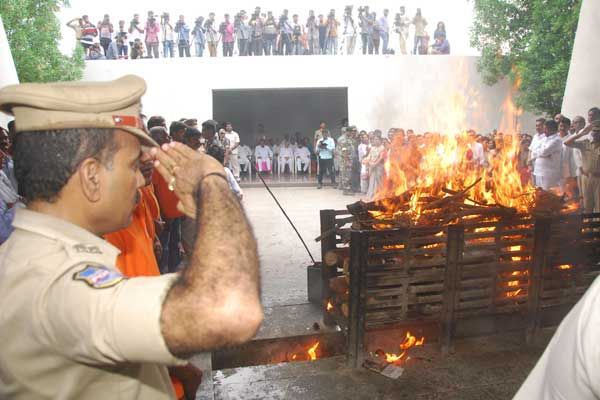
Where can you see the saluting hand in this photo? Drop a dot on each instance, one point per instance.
(184, 168)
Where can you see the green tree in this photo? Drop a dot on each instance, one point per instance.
(33, 32)
(529, 40)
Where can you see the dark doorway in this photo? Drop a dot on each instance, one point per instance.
(281, 111)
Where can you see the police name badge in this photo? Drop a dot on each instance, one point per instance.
(98, 277)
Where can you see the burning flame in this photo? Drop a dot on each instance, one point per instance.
(329, 306)
(565, 266)
(312, 352)
(409, 341)
(444, 159)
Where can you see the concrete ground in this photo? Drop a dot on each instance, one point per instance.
(283, 258)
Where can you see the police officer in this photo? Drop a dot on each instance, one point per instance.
(347, 155)
(72, 326)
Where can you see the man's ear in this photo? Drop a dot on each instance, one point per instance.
(89, 178)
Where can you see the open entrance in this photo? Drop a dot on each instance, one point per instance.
(281, 111)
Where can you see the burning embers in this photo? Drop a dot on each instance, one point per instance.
(409, 341)
(310, 354)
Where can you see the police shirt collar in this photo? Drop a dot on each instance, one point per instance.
(81, 240)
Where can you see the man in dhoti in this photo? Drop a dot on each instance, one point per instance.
(263, 156)
(302, 157)
(286, 157)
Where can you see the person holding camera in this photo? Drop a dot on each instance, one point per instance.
(401, 25)
(152, 29)
(257, 25)
(226, 30)
(212, 37)
(365, 29)
(122, 49)
(183, 37)
(242, 33)
(324, 149)
(168, 36)
(349, 31)
(312, 33)
(135, 33)
(285, 34)
(199, 36)
(332, 33)
(298, 32)
(270, 34)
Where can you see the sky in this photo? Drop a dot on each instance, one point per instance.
(457, 14)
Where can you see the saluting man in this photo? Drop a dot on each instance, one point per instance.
(72, 326)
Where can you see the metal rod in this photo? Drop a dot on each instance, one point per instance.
(286, 216)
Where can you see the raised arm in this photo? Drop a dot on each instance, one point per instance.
(215, 302)
(571, 142)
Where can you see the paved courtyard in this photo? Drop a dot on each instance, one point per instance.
(283, 258)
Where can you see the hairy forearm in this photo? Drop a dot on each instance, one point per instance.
(216, 301)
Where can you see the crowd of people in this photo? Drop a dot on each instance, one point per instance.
(259, 33)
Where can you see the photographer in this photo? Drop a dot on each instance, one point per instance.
(375, 34)
(168, 36)
(135, 33)
(152, 29)
(137, 49)
(312, 31)
(365, 28)
(349, 31)
(212, 37)
(285, 35)
(401, 25)
(199, 36)
(226, 30)
(242, 33)
(270, 34)
(183, 37)
(257, 24)
(88, 33)
(332, 33)
(122, 49)
(324, 149)
(298, 32)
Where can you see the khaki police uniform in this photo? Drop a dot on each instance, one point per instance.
(71, 326)
(590, 174)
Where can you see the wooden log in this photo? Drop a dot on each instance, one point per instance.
(336, 256)
(339, 285)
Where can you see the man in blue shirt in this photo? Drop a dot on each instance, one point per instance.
(324, 149)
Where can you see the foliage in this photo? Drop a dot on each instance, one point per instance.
(528, 40)
(33, 32)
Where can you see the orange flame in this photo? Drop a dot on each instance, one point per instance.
(312, 352)
(409, 341)
(444, 158)
(329, 306)
(565, 266)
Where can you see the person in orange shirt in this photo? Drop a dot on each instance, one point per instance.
(138, 243)
(170, 237)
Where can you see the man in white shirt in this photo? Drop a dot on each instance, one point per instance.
(234, 144)
(244, 154)
(168, 36)
(286, 157)
(477, 153)
(535, 143)
(401, 26)
(302, 157)
(263, 156)
(548, 158)
(568, 165)
(384, 30)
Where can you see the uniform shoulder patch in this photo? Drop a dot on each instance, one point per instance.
(98, 277)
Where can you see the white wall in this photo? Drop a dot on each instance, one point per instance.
(8, 73)
(441, 93)
(583, 84)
